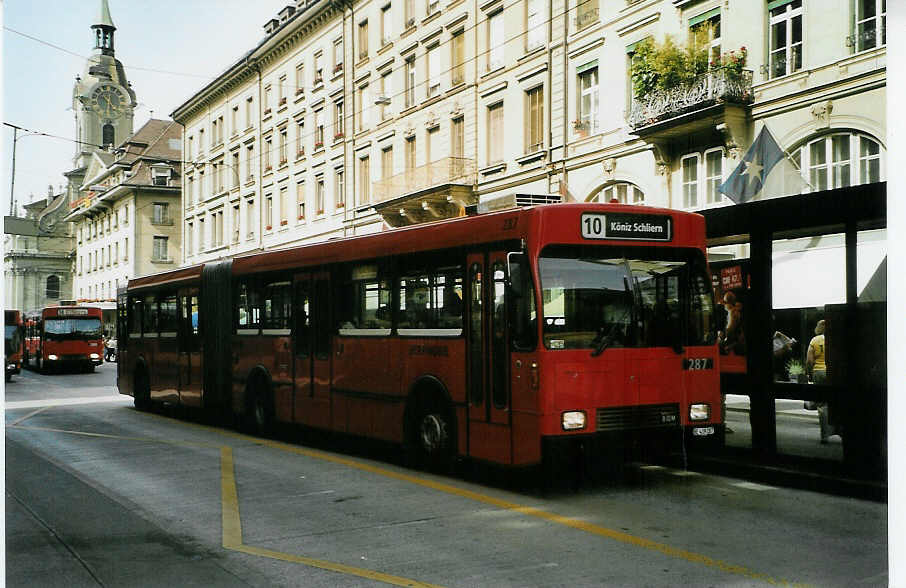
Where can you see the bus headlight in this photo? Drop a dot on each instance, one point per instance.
(572, 420)
(94, 356)
(699, 412)
(52, 357)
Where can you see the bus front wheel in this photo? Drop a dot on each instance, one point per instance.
(259, 412)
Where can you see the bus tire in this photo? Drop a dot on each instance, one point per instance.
(259, 407)
(431, 432)
(141, 391)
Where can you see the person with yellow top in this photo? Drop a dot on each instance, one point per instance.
(817, 369)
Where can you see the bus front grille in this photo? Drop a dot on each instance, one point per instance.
(646, 416)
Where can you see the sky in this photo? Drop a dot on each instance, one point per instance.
(169, 48)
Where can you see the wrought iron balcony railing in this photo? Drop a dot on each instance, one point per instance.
(716, 86)
(447, 170)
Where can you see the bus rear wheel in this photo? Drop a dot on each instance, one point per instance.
(259, 411)
(431, 433)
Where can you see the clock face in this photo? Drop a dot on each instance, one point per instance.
(108, 101)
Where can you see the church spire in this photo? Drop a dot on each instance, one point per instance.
(103, 30)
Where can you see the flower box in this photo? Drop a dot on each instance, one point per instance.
(338, 136)
(282, 101)
(284, 222)
(300, 91)
(319, 144)
(338, 68)
(267, 111)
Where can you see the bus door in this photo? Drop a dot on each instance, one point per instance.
(311, 349)
(487, 351)
(189, 357)
(165, 371)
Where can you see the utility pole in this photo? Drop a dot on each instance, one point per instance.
(12, 185)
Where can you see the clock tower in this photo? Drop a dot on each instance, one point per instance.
(102, 99)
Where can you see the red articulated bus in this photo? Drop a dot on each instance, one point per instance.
(65, 336)
(14, 346)
(502, 337)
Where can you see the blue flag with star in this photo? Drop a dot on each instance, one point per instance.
(764, 165)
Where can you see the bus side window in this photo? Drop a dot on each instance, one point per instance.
(135, 316)
(149, 315)
(302, 316)
(523, 315)
(248, 307)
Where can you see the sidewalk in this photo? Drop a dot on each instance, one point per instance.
(801, 460)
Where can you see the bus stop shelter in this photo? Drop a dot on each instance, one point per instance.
(856, 330)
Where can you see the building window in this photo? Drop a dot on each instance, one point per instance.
(705, 29)
(363, 39)
(840, 160)
(52, 287)
(284, 206)
(268, 212)
(338, 120)
(249, 162)
(300, 135)
(337, 56)
(190, 238)
(235, 168)
(586, 13)
(160, 177)
(160, 213)
(249, 120)
(386, 162)
(409, 6)
(319, 194)
(495, 133)
(319, 131)
(365, 179)
(871, 24)
(458, 57)
(702, 174)
(434, 71)
(386, 95)
(432, 6)
(433, 150)
(495, 40)
(234, 120)
(300, 78)
(300, 200)
(126, 249)
(217, 227)
(339, 189)
(690, 180)
(108, 134)
(319, 70)
(364, 108)
(410, 153)
(234, 223)
(281, 91)
(410, 82)
(159, 252)
(457, 137)
(268, 148)
(534, 119)
(250, 220)
(282, 147)
(714, 175)
(386, 25)
(534, 24)
(587, 108)
(786, 38)
(267, 100)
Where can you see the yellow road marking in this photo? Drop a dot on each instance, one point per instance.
(578, 524)
(28, 416)
(230, 499)
(231, 520)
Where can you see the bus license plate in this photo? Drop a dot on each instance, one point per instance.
(703, 363)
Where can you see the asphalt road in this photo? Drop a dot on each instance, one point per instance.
(98, 493)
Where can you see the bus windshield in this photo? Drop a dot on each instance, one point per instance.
(58, 329)
(598, 297)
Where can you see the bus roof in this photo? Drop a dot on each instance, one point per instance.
(551, 223)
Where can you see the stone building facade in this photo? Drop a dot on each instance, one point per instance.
(347, 120)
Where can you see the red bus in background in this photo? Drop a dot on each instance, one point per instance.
(61, 337)
(14, 342)
(507, 337)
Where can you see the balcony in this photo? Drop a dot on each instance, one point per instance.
(438, 190)
(692, 107)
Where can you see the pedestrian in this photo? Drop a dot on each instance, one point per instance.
(816, 364)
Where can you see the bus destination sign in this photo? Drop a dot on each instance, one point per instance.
(72, 312)
(625, 226)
